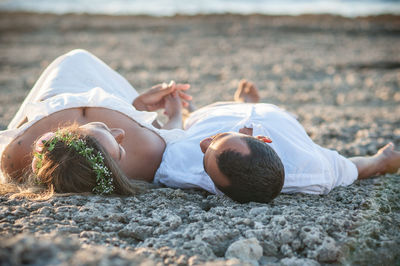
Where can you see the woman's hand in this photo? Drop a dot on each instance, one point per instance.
(154, 99)
(173, 110)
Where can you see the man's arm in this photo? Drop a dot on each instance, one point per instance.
(173, 109)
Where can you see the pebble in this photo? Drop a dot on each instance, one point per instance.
(246, 249)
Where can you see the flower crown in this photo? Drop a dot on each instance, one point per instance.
(104, 181)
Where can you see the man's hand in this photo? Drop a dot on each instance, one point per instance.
(154, 99)
(173, 106)
(173, 109)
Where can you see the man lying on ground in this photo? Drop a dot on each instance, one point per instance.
(257, 151)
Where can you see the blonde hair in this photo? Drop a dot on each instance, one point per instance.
(64, 170)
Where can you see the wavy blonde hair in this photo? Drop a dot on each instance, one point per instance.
(64, 170)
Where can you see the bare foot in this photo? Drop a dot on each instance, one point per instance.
(246, 92)
(389, 159)
(386, 160)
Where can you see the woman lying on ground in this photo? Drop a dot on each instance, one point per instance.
(94, 107)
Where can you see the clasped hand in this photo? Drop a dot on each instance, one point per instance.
(156, 98)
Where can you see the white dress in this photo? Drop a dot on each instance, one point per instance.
(309, 168)
(78, 79)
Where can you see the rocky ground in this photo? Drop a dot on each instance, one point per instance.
(341, 76)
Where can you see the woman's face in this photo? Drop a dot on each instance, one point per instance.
(109, 138)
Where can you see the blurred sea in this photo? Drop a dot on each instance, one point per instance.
(348, 8)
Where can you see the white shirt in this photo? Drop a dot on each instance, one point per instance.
(309, 168)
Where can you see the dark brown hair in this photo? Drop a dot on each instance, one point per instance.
(258, 176)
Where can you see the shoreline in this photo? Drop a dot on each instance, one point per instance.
(389, 24)
(382, 16)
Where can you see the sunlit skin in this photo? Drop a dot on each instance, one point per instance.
(110, 138)
(143, 147)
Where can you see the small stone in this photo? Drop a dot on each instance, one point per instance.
(287, 250)
(258, 210)
(311, 236)
(269, 247)
(286, 235)
(298, 262)
(20, 211)
(246, 250)
(296, 244)
(268, 260)
(328, 251)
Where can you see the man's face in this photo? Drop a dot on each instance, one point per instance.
(213, 146)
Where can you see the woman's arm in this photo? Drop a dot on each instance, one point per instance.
(154, 99)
